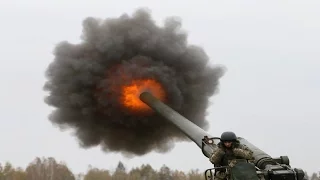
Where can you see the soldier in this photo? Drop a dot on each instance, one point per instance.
(229, 149)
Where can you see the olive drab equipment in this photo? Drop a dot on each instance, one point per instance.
(264, 166)
(241, 171)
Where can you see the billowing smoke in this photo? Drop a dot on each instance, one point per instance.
(85, 80)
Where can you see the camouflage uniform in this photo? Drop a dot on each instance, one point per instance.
(227, 157)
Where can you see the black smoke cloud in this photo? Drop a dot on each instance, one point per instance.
(84, 82)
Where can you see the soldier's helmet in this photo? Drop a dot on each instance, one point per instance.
(228, 136)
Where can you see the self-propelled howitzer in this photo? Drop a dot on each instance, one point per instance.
(267, 168)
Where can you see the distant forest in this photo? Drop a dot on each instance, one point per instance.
(50, 169)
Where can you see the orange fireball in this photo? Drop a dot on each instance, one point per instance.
(130, 93)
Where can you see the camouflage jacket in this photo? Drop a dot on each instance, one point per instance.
(223, 156)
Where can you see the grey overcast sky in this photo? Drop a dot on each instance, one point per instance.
(269, 94)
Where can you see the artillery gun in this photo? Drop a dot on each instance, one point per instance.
(264, 166)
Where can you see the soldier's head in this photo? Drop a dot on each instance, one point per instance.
(227, 138)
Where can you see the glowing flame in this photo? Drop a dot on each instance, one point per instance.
(131, 93)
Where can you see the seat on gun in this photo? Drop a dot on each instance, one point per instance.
(243, 171)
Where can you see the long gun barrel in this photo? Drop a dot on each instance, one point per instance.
(194, 132)
(279, 166)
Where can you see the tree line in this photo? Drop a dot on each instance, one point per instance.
(50, 169)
